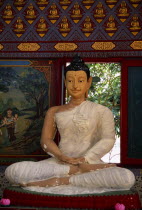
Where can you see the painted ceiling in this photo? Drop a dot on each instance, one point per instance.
(95, 28)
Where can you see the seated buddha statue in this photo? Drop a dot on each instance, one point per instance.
(99, 12)
(123, 10)
(19, 27)
(64, 26)
(42, 27)
(30, 14)
(111, 24)
(76, 13)
(8, 14)
(135, 25)
(53, 13)
(87, 133)
(87, 26)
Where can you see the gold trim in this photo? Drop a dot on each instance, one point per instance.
(28, 47)
(65, 46)
(137, 45)
(1, 46)
(103, 45)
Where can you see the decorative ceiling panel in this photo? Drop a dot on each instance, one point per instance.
(76, 25)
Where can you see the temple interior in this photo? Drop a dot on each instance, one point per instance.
(37, 40)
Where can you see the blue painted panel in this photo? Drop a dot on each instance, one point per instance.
(14, 63)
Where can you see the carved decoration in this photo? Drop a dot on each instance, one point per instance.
(19, 4)
(53, 13)
(42, 27)
(135, 25)
(135, 3)
(88, 3)
(76, 13)
(8, 14)
(28, 47)
(30, 14)
(65, 4)
(111, 26)
(1, 46)
(103, 45)
(64, 27)
(137, 45)
(65, 46)
(42, 4)
(99, 12)
(87, 26)
(19, 27)
(111, 3)
(123, 11)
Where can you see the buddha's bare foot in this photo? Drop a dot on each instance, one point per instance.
(93, 167)
(49, 182)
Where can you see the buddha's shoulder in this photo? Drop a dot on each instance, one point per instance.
(55, 109)
(97, 107)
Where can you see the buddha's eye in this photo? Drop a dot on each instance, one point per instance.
(69, 80)
(81, 81)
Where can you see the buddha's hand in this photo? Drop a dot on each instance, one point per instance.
(71, 160)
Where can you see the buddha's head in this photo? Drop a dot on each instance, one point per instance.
(77, 78)
(77, 64)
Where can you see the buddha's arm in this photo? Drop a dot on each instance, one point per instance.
(47, 138)
(48, 134)
(107, 140)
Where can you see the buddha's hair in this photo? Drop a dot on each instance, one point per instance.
(77, 64)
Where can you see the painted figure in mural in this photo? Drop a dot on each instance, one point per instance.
(1, 124)
(87, 134)
(10, 122)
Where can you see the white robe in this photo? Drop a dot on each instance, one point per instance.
(86, 130)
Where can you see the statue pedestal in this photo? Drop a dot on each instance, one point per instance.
(24, 199)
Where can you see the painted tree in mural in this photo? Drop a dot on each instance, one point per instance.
(7, 78)
(35, 89)
(105, 88)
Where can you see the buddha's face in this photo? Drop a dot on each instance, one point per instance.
(77, 84)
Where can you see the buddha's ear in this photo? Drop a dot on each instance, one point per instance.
(65, 82)
(89, 82)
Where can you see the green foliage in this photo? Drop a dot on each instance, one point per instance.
(107, 90)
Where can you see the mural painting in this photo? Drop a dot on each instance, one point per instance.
(24, 100)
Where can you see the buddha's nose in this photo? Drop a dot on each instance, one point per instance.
(75, 84)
